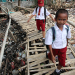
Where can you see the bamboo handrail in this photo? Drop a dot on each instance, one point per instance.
(4, 42)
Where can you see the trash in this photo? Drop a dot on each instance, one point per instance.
(22, 62)
(12, 65)
(15, 72)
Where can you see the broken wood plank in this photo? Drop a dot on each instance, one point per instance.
(37, 44)
(69, 73)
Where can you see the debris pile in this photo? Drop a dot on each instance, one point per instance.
(14, 55)
(3, 26)
(21, 9)
(71, 14)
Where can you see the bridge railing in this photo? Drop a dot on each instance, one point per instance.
(6, 10)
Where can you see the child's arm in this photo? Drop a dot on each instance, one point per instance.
(33, 14)
(52, 56)
(48, 14)
(52, 17)
(30, 17)
(48, 41)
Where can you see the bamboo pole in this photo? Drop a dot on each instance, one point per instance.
(27, 56)
(4, 42)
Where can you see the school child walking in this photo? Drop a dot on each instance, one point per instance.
(41, 14)
(57, 39)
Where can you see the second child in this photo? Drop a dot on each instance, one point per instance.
(40, 17)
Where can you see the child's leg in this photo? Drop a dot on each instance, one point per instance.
(55, 52)
(59, 67)
(57, 71)
(43, 32)
(43, 28)
(61, 58)
(38, 24)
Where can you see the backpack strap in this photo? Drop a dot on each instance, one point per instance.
(45, 14)
(53, 32)
(67, 28)
(36, 9)
(36, 12)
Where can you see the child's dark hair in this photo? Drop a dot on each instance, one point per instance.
(61, 11)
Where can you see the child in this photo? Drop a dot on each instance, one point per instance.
(59, 45)
(40, 18)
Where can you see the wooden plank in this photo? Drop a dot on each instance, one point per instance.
(41, 50)
(50, 72)
(37, 53)
(35, 37)
(30, 34)
(68, 68)
(69, 73)
(36, 56)
(38, 62)
(37, 44)
(39, 47)
(27, 59)
(2, 13)
(45, 65)
(51, 69)
(40, 73)
(22, 67)
(72, 50)
(70, 61)
(43, 69)
(36, 34)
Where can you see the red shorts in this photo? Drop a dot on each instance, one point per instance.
(40, 23)
(61, 55)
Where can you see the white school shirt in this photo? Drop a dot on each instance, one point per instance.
(41, 16)
(60, 38)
